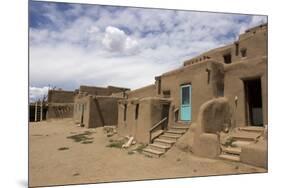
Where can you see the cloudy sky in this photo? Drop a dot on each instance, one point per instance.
(76, 44)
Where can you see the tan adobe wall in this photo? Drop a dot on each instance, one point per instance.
(150, 112)
(254, 41)
(103, 111)
(60, 96)
(234, 86)
(92, 90)
(205, 86)
(147, 91)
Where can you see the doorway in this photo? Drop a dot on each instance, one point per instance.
(253, 101)
(185, 103)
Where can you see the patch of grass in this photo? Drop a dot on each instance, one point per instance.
(83, 137)
(228, 142)
(86, 142)
(63, 148)
(116, 143)
(140, 148)
(131, 152)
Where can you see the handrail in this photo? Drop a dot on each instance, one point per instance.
(155, 126)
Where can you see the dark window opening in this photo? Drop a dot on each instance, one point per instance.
(167, 93)
(137, 111)
(125, 112)
(236, 48)
(165, 114)
(159, 86)
(176, 115)
(208, 75)
(244, 52)
(227, 58)
(253, 98)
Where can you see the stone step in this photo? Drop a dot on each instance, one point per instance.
(252, 129)
(179, 128)
(245, 136)
(232, 150)
(170, 137)
(152, 152)
(176, 131)
(156, 134)
(230, 157)
(164, 142)
(159, 147)
(240, 143)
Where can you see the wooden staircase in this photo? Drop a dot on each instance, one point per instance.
(242, 136)
(165, 141)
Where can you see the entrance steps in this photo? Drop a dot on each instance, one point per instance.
(241, 136)
(165, 141)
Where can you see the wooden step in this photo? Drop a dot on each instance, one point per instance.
(159, 147)
(235, 158)
(240, 143)
(170, 137)
(179, 128)
(152, 152)
(176, 131)
(245, 136)
(252, 129)
(232, 150)
(164, 142)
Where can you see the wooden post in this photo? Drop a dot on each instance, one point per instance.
(41, 111)
(35, 119)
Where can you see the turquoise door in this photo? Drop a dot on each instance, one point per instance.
(185, 103)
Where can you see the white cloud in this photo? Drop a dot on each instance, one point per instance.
(115, 40)
(125, 46)
(36, 93)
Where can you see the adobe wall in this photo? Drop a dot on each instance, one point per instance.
(103, 111)
(92, 90)
(149, 113)
(81, 101)
(206, 79)
(147, 91)
(253, 40)
(60, 96)
(233, 86)
(60, 110)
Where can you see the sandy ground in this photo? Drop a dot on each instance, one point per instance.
(56, 158)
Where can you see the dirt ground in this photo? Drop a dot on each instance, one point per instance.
(60, 153)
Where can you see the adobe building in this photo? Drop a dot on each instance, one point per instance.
(60, 104)
(97, 106)
(224, 89)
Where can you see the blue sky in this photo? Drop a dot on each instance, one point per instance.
(76, 44)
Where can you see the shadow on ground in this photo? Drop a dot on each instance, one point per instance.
(83, 138)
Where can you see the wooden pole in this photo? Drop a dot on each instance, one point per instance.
(41, 111)
(35, 119)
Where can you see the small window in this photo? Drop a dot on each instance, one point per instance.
(227, 58)
(159, 86)
(125, 112)
(167, 93)
(236, 48)
(137, 111)
(244, 52)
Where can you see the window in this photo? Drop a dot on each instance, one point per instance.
(159, 86)
(227, 58)
(236, 48)
(167, 93)
(244, 52)
(125, 112)
(137, 111)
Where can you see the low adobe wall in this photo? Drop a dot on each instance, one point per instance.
(212, 117)
(147, 91)
(150, 112)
